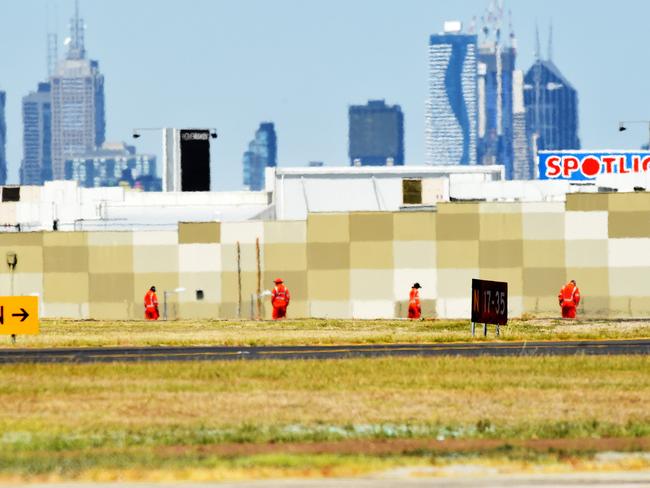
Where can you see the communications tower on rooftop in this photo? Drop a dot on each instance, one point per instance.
(77, 86)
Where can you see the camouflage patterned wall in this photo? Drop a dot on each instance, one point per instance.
(351, 265)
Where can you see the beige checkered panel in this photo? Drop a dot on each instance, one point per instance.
(349, 265)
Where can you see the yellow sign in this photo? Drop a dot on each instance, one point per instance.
(19, 315)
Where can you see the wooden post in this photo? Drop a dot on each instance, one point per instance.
(238, 280)
(259, 278)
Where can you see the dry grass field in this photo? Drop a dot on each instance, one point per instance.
(68, 333)
(218, 420)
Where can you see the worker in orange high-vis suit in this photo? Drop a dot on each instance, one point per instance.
(280, 298)
(569, 298)
(151, 304)
(415, 310)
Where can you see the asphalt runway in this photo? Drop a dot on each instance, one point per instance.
(234, 353)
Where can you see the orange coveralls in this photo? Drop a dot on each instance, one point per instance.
(415, 310)
(151, 306)
(569, 298)
(280, 298)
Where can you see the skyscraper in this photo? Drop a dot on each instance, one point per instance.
(3, 139)
(496, 63)
(522, 161)
(262, 153)
(451, 110)
(77, 89)
(376, 134)
(551, 107)
(36, 166)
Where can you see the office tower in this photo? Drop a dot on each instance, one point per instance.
(551, 106)
(36, 166)
(451, 110)
(522, 161)
(77, 89)
(496, 63)
(114, 164)
(376, 134)
(262, 153)
(3, 139)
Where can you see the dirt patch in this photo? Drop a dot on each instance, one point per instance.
(406, 446)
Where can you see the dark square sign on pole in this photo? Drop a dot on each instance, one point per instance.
(489, 304)
(195, 159)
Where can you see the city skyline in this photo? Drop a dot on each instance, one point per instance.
(306, 98)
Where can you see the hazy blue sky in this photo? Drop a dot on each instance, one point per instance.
(300, 63)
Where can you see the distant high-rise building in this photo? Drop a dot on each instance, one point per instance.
(115, 164)
(502, 134)
(77, 89)
(551, 107)
(3, 139)
(262, 153)
(522, 161)
(36, 166)
(376, 134)
(451, 111)
(495, 116)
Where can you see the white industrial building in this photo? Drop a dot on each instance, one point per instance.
(69, 207)
(299, 191)
(291, 194)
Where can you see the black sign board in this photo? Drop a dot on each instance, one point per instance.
(489, 302)
(195, 160)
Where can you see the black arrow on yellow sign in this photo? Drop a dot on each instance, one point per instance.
(24, 315)
(18, 315)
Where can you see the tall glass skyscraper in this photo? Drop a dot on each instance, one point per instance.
(551, 107)
(3, 139)
(376, 134)
(522, 161)
(495, 115)
(78, 122)
(451, 111)
(262, 153)
(36, 166)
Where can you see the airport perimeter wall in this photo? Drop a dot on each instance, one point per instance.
(359, 265)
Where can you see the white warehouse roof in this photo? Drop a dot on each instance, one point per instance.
(299, 191)
(291, 194)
